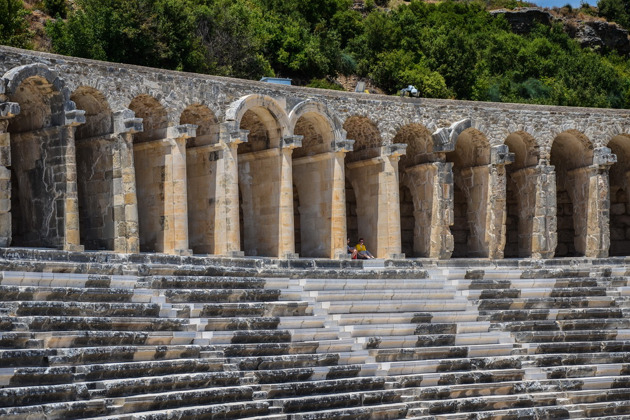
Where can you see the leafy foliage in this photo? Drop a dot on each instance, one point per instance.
(448, 49)
(13, 25)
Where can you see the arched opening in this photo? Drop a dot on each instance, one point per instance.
(619, 176)
(418, 176)
(471, 159)
(38, 144)
(94, 153)
(363, 171)
(259, 180)
(313, 171)
(151, 173)
(202, 156)
(352, 225)
(570, 152)
(520, 195)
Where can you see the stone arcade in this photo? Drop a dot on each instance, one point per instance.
(168, 179)
(98, 156)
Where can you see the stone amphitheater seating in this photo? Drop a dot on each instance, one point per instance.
(97, 335)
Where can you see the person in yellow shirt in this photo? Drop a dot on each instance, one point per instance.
(362, 252)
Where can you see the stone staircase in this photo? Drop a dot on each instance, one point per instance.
(97, 335)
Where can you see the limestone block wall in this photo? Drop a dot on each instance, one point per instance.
(530, 181)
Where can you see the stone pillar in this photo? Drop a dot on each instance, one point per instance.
(588, 188)
(496, 204)
(536, 199)
(71, 235)
(227, 235)
(431, 186)
(375, 183)
(7, 110)
(286, 228)
(126, 233)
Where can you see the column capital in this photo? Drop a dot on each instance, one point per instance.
(291, 142)
(9, 109)
(603, 157)
(74, 116)
(125, 121)
(342, 145)
(231, 134)
(182, 131)
(500, 155)
(444, 138)
(394, 150)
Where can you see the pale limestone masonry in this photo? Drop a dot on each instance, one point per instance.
(107, 156)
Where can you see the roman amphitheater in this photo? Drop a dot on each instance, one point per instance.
(174, 247)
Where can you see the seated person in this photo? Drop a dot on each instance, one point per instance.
(362, 252)
(352, 250)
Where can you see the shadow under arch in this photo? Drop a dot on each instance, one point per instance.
(571, 154)
(619, 176)
(470, 159)
(95, 148)
(202, 158)
(521, 190)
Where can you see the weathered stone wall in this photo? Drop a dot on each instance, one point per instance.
(176, 200)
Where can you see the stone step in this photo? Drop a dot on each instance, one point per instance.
(381, 412)
(289, 361)
(572, 360)
(448, 352)
(481, 364)
(382, 306)
(552, 314)
(575, 325)
(488, 285)
(47, 279)
(237, 323)
(157, 384)
(532, 413)
(415, 329)
(228, 410)
(381, 295)
(84, 323)
(295, 389)
(35, 395)
(405, 317)
(615, 409)
(570, 336)
(577, 347)
(463, 378)
(337, 401)
(266, 336)
(84, 309)
(583, 370)
(249, 309)
(370, 284)
(401, 341)
(205, 282)
(547, 303)
(220, 295)
(278, 349)
(72, 294)
(22, 376)
(535, 293)
(63, 410)
(68, 339)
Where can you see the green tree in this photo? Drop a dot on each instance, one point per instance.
(13, 25)
(616, 11)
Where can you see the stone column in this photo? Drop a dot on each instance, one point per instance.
(338, 227)
(496, 204)
(286, 229)
(536, 200)
(589, 192)
(431, 186)
(175, 191)
(7, 110)
(226, 222)
(126, 233)
(71, 235)
(375, 183)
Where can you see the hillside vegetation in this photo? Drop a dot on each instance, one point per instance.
(447, 49)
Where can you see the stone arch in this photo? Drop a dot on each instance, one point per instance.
(521, 187)
(619, 176)
(366, 135)
(202, 155)
(571, 153)
(43, 194)
(417, 178)
(95, 146)
(152, 170)
(263, 168)
(470, 159)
